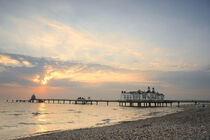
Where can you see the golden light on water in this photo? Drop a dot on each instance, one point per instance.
(42, 118)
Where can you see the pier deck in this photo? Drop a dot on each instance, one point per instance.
(130, 103)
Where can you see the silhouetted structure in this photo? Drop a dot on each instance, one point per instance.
(132, 98)
(142, 95)
(33, 97)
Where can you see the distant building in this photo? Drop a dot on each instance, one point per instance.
(142, 95)
(81, 98)
(33, 97)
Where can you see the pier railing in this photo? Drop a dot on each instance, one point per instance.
(130, 103)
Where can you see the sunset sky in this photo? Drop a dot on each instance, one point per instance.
(66, 49)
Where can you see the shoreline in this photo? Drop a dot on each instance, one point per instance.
(191, 123)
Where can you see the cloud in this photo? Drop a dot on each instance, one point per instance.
(207, 68)
(45, 70)
(43, 37)
(8, 61)
(2, 69)
(77, 78)
(159, 63)
(83, 73)
(187, 79)
(37, 70)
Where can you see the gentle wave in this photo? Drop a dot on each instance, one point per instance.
(20, 120)
(25, 123)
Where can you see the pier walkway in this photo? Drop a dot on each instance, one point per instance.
(130, 103)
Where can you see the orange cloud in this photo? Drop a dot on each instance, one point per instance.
(8, 61)
(36, 79)
(77, 73)
(27, 64)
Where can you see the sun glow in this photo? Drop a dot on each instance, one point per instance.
(44, 82)
(76, 74)
(37, 79)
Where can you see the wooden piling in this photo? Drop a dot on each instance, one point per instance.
(195, 103)
(178, 104)
(131, 104)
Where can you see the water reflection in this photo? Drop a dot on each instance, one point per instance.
(41, 118)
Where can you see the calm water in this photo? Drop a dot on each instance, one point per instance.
(26, 119)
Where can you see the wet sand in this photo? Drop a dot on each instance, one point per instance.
(192, 123)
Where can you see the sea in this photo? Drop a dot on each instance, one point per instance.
(19, 120)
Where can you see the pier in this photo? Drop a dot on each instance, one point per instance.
(128, 99)
(123, 103)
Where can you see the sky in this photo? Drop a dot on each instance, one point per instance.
(97, 48)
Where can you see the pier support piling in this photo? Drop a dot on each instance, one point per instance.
(131, 104)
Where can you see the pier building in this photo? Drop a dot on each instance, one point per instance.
(142, 95)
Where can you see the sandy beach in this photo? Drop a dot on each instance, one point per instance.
(192, 123)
